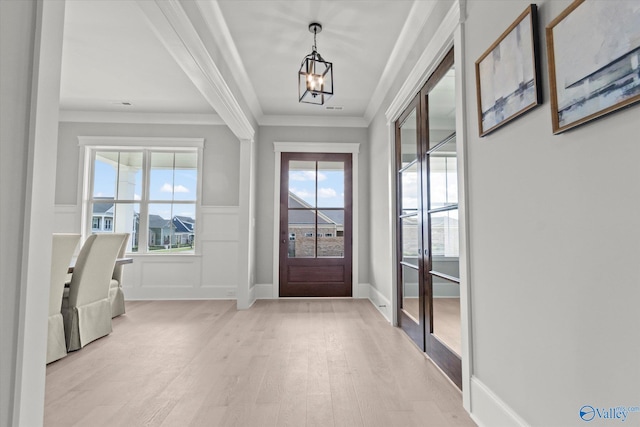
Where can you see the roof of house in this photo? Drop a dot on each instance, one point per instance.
(299, 216)
(156, 221)
(103, 207)
(183, 224)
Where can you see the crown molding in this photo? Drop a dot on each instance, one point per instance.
(416, 20)
(172, 26)
(438, 46)
(314, 121)
(140, 118)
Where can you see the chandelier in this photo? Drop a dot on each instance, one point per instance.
(315, 78)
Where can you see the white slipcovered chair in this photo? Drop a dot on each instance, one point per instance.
(85, 308)
(116, 294)
(63, 247)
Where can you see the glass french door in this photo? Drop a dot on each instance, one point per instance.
(428, 258)
(315, 225)
(409, 224)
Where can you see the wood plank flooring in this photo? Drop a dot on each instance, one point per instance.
(324, 362)
(446, 324)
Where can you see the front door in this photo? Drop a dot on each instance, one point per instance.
(315, 225)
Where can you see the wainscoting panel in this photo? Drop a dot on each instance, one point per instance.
(169, 273)
(67, 219)
(221, 268)
(212, 273)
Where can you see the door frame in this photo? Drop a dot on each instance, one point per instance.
(449, 33)
(357, 291)
(315, 285)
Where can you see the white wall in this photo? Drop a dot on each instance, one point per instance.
(265, 189)
(213, 272)
(554, 237)
(17, 28)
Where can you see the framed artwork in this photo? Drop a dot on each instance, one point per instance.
(593, 49)
(508, 74)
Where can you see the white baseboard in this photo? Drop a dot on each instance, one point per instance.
(362, 290)
(487, 409)
(264, 291)
(252, 296)
(177, 293)
(380, 302)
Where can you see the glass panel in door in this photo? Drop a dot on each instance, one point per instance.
(443, 339)
(409, 205)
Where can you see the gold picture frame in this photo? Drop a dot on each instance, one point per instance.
(593, 51)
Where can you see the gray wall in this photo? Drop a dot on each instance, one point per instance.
(265, 190)
(554, 270)
(220, 176)
(17, 27)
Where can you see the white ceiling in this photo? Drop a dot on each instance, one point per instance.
(112, 55)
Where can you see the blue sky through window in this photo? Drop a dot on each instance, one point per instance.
(302, 183)
(166, 184)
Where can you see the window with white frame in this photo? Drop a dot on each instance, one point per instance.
(151, 193)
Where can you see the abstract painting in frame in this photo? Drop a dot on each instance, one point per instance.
(508, 74)
(593, 49)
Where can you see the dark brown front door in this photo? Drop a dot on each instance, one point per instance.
(315, 225)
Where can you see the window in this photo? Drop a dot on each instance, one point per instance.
(292, 236)
(308, 234)
(151, 193)
(328, 234)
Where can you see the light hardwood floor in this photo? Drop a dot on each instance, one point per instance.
(446, 323)
(318, 362)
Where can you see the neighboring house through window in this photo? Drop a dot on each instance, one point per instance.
(147, 191)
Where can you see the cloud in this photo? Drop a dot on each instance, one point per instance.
(303, 194)
(166, 188)
(307, 176)
(326, 193)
